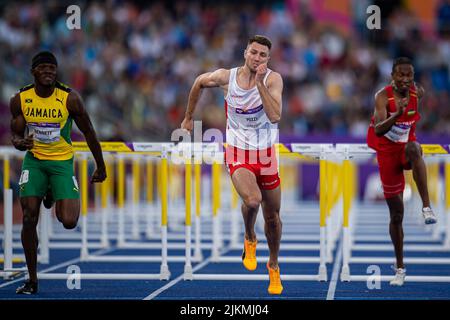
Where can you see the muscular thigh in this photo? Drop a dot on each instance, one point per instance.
(63, 183)
(245, 183)
(411, 150)
(67, 208)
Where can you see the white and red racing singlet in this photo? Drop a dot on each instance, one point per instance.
(248, 126)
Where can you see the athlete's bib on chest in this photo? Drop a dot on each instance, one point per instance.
(248, 118)
(45, 132)
(399, 132)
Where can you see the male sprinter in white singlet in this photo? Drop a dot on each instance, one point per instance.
(253, 108)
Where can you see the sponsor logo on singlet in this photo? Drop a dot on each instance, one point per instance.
(249, 111)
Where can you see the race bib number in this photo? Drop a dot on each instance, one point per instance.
(45, 132)
(398, 133)
(247, 118)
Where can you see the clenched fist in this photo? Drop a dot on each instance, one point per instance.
(187, 124)
(261, 71)
(401, 106)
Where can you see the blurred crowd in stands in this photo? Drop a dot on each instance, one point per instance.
(134, 62)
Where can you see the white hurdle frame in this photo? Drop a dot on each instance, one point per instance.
(172, 149)
(7, 153)
(164, 149)
(362, 151)
(8, 270)
(317, 151)
(164, 274)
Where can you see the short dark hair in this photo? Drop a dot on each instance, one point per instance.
(43, 57)
(401, 60)
(261, 40)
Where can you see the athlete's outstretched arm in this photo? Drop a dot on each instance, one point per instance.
(78, 112)
(271, 95)
(214, 79)
(382, 123)
(18, 125)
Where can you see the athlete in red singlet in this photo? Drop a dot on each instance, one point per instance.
(253, 107)
(392, 135)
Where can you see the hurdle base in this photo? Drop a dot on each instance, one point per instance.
(188, 275)
(215, 256)
(7, 275)
(104, 243)
(198, 256)
(84, 254)
(45, 259)
(10, 274)
(164, 272)
(345, 274)
(447, 244)
(322, 276)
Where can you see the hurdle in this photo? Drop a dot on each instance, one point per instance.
(436, 196)
(8, 257)
(331, 197)
(8, 270)
(234, 234)
(319, 152)
(84, 247)
(163, 150)
(164, 274)
(159, 148)
(417, 223)
(361, 152)
(46, 232)
(150, 203)
(173, 150)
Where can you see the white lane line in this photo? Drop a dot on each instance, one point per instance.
(336, 268)
(62, 264)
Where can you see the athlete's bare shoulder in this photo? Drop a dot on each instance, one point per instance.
(381, 101)
(381, 95)
(15, 105)
(274, 78)
(222, 76)
(217, 78)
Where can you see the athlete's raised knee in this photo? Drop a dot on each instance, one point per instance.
(413, 151)
(70, 223)
(252, 201)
